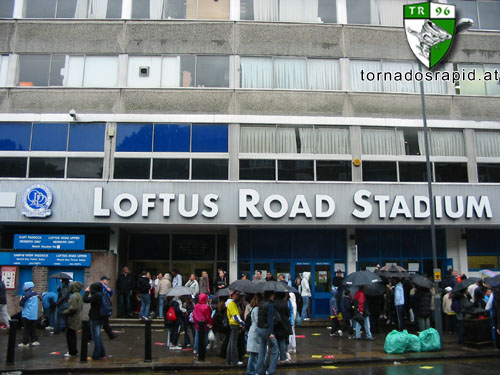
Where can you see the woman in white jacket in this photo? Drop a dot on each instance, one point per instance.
(305, 293)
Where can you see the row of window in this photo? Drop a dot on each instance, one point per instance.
(255, 73)
(249, 169)
(370, 12)
(213, 138)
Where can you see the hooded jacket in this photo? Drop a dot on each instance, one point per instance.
(29, 302)
(306, 289)
(202, 312)
(74, 310)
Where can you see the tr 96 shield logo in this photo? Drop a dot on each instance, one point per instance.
(430, 28)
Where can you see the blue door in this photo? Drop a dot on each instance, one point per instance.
(321, 286)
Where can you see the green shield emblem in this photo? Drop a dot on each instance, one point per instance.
(430, 28)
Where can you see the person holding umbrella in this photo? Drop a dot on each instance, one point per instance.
(62, 303)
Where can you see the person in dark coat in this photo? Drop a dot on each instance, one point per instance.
(376, 307)
(61, 305)
(282, 327)
(124, 286)
(347, 310)
(143, 285)
(422, 305)
(93, 295)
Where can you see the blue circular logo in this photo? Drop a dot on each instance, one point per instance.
(37, 200)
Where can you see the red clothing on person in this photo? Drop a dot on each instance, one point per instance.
(202, 312)
(360, 298)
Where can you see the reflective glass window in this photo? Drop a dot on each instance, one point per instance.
(361, 12)
(140, 9)
(209, 169)
(379, 171)
(171, 169)
(46, 167)
(15, 136)
(114, 9)
(295, 170)
(57, 64)
(134, 138)
(212, 71)
(84, 168)
(6, 8)
(451, 172)
(13, 167)
(333, 170)
(66, 8)
(412, 172)
(133, 169)
(49, 137)
(86, 137)
(40, 8)
(257, 169)
(172, 138)
(209, 138)
(489, 14)
(488, 172)
(34, 70)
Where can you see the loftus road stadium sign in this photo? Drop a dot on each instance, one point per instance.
(430, 28)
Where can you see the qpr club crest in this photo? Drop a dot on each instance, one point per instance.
(430, 28)
(37, 200)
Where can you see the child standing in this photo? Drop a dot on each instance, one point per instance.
(29, 303)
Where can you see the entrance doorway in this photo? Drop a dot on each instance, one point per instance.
(320, 283)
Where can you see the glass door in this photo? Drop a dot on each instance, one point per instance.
(322, 289)
(281, 268)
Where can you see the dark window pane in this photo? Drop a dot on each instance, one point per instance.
(187, 71)
(246, 10)
(379, 171)
(209, 138)
(488, 172)
(66, 8)
(331, 170)
(84, 168)
(114, 9)
(176, 9)
(40, 8)
(451, 172)
(466, 9)
(411, 142)
(134, 137)
(135, 169)
(86, 137)
(15, 137)
(193, 246)
(172, 138)
(412, 172)
(6, 8)
(13, 167)
(212, 71)
(358, 11)
(140, 9)
(257, 169)
(295, 170)
(489, 12)
(49, 137)
(171, 169)
(209, 169)
(34, 70)
(327, 11)
(46, 167)
(149, 246)
(58, 62)
(222, 247)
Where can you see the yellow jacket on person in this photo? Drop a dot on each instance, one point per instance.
(233, 313)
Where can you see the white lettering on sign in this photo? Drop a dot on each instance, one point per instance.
(321, 201)
(360, 199)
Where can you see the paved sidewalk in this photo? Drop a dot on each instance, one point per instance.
(126, 353)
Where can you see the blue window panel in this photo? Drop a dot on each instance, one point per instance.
(272, 244)
(390, 244)
(483, 241)
(410, 244)
(426, 246)
(244, 243)
(25, 274)
(134, 138)
(312, 244)
(172, 138)
(15, 136)
(339, 244)
(368, 244)
(209, 138)
(49, 137)
(86, 137)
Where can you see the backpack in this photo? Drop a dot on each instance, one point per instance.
(106, 309)
(171, 315)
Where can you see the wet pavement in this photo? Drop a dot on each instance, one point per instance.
(315, 348)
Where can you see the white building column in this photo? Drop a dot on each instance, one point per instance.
(233, 254)
(351, 244)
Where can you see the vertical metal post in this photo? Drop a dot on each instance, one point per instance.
(437, 297)
(11, 345)
(85, 341)
(147, 341)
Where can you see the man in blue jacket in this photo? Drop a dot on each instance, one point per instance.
(49, 303)
(29, 303)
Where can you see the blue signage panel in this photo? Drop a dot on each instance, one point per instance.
(49, 242)
(48, 259)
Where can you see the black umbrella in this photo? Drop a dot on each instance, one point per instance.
(61, 275)
(494, 282)
(271, 286)
(393, 270)
(465, 284)
(245, 286)
(361, 278)
(223, 292)
(422, 281)
(376, 289)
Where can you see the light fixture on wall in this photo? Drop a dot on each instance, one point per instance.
(356, 162)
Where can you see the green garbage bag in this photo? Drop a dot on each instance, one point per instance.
(413, 344)
(429, 340)
(395, 342)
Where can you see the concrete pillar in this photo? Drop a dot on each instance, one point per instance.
(356, 148)
(351, 243)
(233, 254)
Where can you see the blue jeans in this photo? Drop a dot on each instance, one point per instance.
(124, 303)
(273, 344)
(367, 328)
(252, 363)
(99, 351)
(145, 303)
(161, 303)
(59, 320)
(305, 300)
(282, 348)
